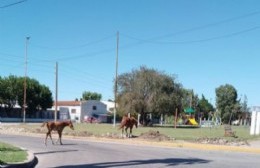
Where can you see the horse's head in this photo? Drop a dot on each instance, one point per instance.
(71, 125)
(134, 121)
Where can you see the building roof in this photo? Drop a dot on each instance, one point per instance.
(67, 103)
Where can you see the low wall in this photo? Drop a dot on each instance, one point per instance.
(36, 120)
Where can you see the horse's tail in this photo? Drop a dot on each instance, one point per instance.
(123, 123)
(121, 126)
(43, 124)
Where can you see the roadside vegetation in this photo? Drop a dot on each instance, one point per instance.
(108, 131)
(11, 154)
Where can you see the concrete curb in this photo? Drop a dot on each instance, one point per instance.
(29, 163)
(178, 144)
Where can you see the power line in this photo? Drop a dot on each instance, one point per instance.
(73, 47)
(12, 4)
(196, 41)
(154, 40)
(67, 58)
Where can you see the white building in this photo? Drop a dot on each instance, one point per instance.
(81, 110)
(110, 106)
(93, 108)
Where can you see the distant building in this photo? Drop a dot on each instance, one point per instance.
(81, 111)
(110, 106)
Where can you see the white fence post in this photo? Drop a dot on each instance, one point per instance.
(255, 121)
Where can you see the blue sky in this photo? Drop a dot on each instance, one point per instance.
(205, 43)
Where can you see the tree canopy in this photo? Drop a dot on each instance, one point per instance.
(87, 95)
(226, 101)
(148, 90)
(12, 92)
(205, 107)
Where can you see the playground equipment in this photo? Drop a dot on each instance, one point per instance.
(192, 121)
(187, 118)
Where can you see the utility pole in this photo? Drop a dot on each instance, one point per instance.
(115, 93)
(25, 76)
(56, 92)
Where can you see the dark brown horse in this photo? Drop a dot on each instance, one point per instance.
(128, 122)
(56, 126)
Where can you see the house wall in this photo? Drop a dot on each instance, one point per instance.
(110, 106)
(91, 107)
(77, 111)
(74, 111)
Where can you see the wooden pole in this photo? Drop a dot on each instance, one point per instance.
(56, 92)
(175, 122)
(25, 82)
(115, 93)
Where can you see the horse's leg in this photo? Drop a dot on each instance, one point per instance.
(126, 128)
(122, 134)
(130, 135)
(60, 133)
(51, 138)
(47, 134)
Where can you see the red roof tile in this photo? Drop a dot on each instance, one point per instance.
(67, 103)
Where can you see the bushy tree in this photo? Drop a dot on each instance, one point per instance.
(87, 95)
(12, 91)
(226, 102)
(205, 107)
(146, 90)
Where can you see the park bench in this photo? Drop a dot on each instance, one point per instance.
(228, 131)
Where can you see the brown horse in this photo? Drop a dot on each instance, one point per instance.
(128, 122)
(56, 126)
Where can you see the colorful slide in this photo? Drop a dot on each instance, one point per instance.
(192, 121)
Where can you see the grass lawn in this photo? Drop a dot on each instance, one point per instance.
(179, 133)
(84, 129)
(11, 154)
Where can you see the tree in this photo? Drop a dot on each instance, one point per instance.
(148, 91)
(87, 95)
(226, 102)
(244, 107)
(12, 91)
(205, 107)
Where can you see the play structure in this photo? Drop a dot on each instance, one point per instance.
(188, 118)
(192, 121)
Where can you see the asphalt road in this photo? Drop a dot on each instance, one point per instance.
(84, 153)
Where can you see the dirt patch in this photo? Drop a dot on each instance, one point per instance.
(154, 135)
(221, 141)
(151, 135)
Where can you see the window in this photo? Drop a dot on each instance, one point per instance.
(94, 107)
(111, 109)
(73, 111)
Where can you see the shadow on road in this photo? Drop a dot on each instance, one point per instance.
(166, 162)
(49, 152)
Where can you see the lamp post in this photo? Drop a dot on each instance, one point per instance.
(25, 76)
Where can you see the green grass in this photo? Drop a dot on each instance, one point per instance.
(11, 154)
(84, 129)
(179, 133)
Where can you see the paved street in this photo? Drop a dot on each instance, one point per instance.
(84, 153)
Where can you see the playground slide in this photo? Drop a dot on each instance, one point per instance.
(193, 122)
